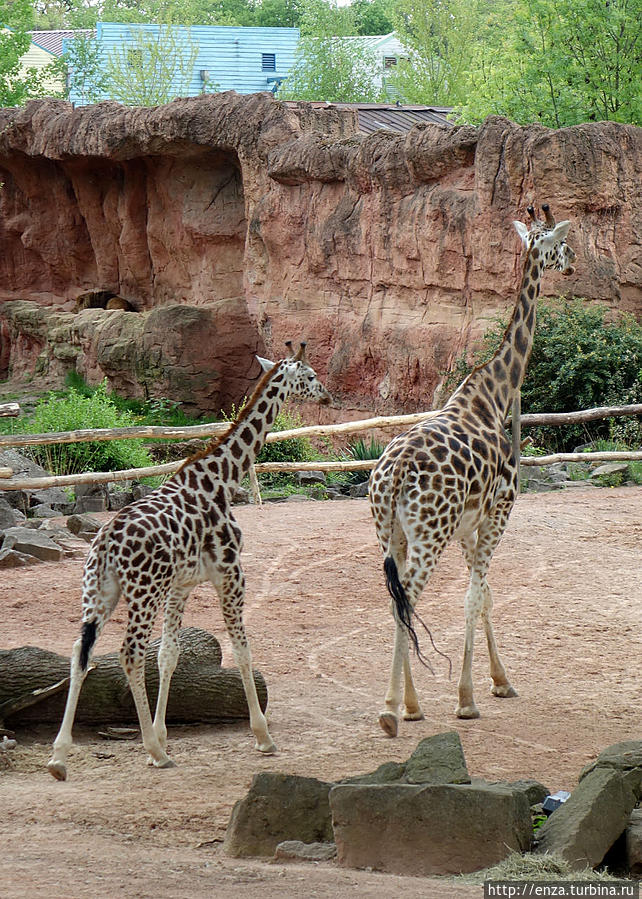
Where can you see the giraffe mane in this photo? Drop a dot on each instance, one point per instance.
(238, 421)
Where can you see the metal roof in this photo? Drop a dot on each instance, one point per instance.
(52, 40)
(392, 116)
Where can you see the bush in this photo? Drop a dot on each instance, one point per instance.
(579, 360)
(361, 450)
(74, 411)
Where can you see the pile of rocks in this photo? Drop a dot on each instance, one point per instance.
(561, 475)
(428, 816)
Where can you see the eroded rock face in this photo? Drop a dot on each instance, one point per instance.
(388, 252)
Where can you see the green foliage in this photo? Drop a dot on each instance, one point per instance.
(329, 64)
(372, 16)
(16, 15)
(580, 359)
(76, 411)
(439, 37)
(83, 61)
(362, 450)
(153, 67)
(559, 62)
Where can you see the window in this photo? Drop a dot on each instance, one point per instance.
(268, 62)
(389, 61)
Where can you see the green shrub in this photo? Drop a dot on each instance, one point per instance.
(75, 411)
(363, 450)
(579, 360)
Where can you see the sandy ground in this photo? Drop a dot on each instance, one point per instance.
(568, 616)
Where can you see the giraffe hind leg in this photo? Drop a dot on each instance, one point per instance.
(167, 659)
(98, 604)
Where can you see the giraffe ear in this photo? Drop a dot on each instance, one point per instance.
(560, 231)
(265, 364)
(522, 230)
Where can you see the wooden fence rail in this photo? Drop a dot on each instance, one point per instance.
(8, 482)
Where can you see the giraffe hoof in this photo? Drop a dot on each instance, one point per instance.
(504, 691)
(268, 748)
(388, 723)
(417, 715)
(467, 711)
(161, 763)
(57, 770)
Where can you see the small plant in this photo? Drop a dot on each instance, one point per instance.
(75, 411)
(363, 450)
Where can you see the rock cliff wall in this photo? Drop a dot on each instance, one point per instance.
(388, 252)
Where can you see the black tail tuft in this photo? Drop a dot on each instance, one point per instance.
(405, 613)
(88, 637)
(401, 601)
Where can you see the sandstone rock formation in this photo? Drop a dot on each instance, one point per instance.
(270, 220)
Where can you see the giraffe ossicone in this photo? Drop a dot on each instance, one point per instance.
(454, 476)
(156, 550)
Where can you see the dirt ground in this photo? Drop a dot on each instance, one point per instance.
(568, 616)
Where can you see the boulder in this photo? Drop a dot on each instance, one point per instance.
(584, 828)
(32, 543)
(9, 517)
(279, 807)
(625, 757)
(10, 558)
(309, 852)
(436, 760)
(633, 844)
(428, 829)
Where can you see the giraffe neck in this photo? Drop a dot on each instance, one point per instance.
(500, 379)
(230, 459)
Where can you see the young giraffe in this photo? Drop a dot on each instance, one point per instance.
(455, 476)
(157, 549)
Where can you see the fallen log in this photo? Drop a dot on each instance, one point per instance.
(31, 693)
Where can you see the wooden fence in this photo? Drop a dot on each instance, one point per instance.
(394, 422)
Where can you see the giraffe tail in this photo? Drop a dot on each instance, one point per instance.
(88, 638)
(405, 613)
(403, 608)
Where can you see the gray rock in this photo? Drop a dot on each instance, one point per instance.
(429, 829)
(307, 478)
(625, 757)
(314, 852)
(359, 490)
(240, 496)
(44, 511)
(141, 490)
(91, 498)
(9, 558)
(9, 517)
(85, 524)
(633, 844)
(118, 499)
(297, 498)
(584, 828)
(33, 543)
(279, 807)
(609, 468)
(534, 791)
(438, 760)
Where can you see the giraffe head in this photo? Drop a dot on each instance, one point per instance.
(549, 239)
(300, 376)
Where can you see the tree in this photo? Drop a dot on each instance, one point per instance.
(561, 62)
(153, 67)
(439, 37)
(330, 63)
(84, 65)
(17, 17)
(372, 16)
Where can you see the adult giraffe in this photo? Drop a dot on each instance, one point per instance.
(454, 476)
(156, 550)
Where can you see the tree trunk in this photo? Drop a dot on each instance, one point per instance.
(200, 690)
